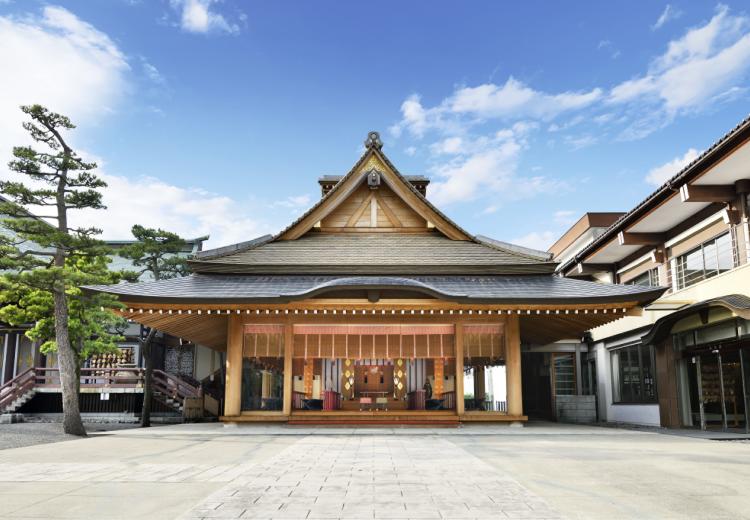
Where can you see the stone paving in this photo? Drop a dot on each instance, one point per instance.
(373, 477)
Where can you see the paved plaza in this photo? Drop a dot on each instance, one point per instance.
(216, 471)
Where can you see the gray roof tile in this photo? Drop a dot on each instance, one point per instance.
(222, 288)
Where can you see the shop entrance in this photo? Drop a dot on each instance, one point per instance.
(718, 381)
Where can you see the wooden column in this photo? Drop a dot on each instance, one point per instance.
(288, 381)
(459, 341)
(513, 365)
(233, 387)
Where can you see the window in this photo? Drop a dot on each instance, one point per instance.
(648, 279)
(633, 378)
(564, 366)
(705, 261)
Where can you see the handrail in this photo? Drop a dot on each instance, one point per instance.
(111, 377)
(17, 387)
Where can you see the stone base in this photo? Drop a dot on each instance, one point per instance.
(11, 418)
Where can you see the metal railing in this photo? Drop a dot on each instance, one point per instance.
(705, 261)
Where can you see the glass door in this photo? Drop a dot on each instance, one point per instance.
(718, 389)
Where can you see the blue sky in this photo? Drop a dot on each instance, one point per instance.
(218, 116)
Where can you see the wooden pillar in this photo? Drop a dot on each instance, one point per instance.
(513, 365)
(438, 372)
(308, 377)
(459, 344)
(288, 381)
(233, 386)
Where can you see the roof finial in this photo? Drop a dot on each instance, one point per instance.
(373, 141)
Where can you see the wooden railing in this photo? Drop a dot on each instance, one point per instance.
(17, 387)
(174, 387)
(297, 398)
(449, 400)
(416, 400)
(169, 386)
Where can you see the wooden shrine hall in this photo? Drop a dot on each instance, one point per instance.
(374, 307)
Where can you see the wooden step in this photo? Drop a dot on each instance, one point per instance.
(379, 417)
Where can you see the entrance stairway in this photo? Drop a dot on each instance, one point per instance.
(168, 389)
(393, 418)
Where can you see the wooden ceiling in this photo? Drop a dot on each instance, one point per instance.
(211, 329)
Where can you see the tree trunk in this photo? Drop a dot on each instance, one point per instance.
(148, 357)
(68, 362)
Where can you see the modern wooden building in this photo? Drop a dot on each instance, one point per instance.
(685, 361)
(374, 306)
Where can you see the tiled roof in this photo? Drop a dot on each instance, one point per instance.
(539, 289)
(375, 253)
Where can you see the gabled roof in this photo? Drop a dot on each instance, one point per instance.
(519, 290)
(448, 249)
(374, 253)
(374, 158)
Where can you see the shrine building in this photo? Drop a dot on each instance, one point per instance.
(374, 307)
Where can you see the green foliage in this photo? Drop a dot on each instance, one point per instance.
(42, 255)
(93, 327)
(155, 252)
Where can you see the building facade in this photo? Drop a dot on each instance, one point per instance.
(374, 306)
(684, 362)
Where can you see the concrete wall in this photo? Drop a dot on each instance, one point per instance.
(575, 408)
(736, 281)
(207, 361)
(645, 414)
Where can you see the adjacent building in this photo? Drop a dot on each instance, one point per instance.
(685, 361)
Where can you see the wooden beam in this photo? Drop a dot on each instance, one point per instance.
(585, 268)
(707, 192)
(288, 380)
(459, 347)
(626, 238)
(233, 386)
(513, 365)
(389, 213)
(352, 222)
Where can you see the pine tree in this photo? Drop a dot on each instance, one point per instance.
(156, 253)
(44, 258)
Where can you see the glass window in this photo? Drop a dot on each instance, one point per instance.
(705, 261)
(263, 368)
(633, 374)
(648, 279)
(564, 373)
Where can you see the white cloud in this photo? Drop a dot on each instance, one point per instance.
(60, 61)
(670, 13)
(661, 174)
(487, 167)
(152, 73)
(189, 212)
(565, 217)
(411, 151)
(699, 69)
(197, 16)
(540, 240)
(470, 105)
(515, 99)
(295, 202)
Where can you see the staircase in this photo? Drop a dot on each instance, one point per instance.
(175, 393)
(17, 391)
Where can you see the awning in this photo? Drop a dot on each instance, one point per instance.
(739, 304)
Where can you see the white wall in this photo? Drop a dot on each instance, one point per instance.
(645, 414)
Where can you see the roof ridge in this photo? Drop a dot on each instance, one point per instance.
(514, 249)
(218, 252)
(666, 186)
